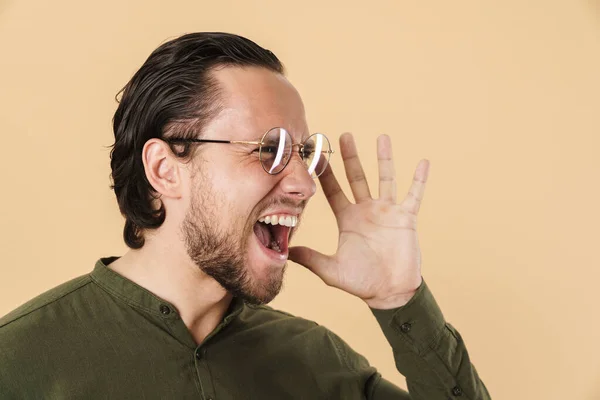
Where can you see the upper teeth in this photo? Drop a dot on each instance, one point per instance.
(285, 220)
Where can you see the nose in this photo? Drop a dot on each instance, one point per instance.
(296, 180)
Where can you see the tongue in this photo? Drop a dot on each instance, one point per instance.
(280, 234)
(263, 234)
(272, 233)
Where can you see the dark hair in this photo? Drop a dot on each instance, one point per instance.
(172, 94)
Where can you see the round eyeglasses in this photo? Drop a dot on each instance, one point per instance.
(276, 148)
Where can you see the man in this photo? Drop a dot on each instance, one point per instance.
(212, 166)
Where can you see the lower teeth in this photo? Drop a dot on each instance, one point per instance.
(275, 246)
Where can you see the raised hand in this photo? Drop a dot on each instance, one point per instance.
(378, 257)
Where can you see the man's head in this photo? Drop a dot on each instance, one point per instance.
(213, 86)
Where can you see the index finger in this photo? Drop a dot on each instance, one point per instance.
(354, 170)
(333, 191)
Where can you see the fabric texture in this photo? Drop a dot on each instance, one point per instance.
(102, 336)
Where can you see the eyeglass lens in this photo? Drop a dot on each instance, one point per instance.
(276, 151)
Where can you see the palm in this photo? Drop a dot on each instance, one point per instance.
(378, 253)
(369, 250)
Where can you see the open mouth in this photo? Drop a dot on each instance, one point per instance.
(273, 232)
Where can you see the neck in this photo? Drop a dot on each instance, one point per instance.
(171, 275)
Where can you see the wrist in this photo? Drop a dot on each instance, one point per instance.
(393, 301)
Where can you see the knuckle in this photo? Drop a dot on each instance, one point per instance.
(413, 195)
(356, 178)
(334, 192)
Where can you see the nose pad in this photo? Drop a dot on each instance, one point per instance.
(298, 149)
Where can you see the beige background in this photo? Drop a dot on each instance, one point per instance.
(503, 98)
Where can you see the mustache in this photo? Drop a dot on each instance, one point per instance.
(286, 202)
(273, 203)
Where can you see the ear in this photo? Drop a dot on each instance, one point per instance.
(162, 168)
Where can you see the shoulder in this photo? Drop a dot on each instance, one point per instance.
(274, 323)
(34, 330)
(28, 312)
(314, 340)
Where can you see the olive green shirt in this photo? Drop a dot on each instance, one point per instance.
(101, 336)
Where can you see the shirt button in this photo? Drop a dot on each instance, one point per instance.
(201, 353)
(457, 391)
(405, 327)
(165, 310)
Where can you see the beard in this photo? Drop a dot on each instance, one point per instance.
(221, 252)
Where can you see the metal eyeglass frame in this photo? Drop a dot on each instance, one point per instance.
(260, 144)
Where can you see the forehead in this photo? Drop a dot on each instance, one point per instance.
(254, 100)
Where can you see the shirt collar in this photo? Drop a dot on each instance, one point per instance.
(144, 300)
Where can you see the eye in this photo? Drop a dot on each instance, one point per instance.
(269, 149)
(307, 152)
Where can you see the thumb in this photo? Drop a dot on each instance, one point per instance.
(319, 263)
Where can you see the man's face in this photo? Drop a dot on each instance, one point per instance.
(230, 191)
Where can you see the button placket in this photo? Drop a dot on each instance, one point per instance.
(203, 373)
(200, 353)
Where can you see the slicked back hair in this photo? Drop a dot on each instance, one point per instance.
(172, 94)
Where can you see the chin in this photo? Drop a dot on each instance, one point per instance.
(266, 282)
(265, 273)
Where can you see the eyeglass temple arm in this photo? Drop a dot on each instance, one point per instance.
(181, 140)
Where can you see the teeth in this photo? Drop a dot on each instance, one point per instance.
(275, 246)
(289, 220)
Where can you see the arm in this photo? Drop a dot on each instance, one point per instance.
(428, 351)
(430, 354)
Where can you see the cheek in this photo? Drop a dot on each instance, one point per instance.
(246, 174)
(241, 190)
(241, 185)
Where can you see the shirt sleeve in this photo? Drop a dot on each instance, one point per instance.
(428, 351)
